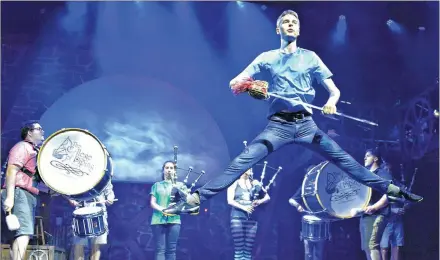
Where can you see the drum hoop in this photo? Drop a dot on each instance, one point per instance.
(312, 222)
(106, 154)
(304, 182)
(100, 210)
(89, 215)
(319, 199)
(370, 192)
(305, 218)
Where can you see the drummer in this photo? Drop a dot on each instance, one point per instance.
(313, 250)
(106, 198)
(296, 199)
(372, 224)
(19, 194)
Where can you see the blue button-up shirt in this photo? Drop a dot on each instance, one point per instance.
(290, 75)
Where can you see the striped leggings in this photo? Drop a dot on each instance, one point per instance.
(243, 234)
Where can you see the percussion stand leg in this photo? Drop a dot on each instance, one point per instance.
(307, 250)
(319, 249)
(313, 250)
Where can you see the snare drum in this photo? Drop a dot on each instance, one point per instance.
(73, 162)
(330, 193)
(315, 229)
(89, 222)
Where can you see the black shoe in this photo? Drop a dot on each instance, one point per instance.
(187, 204)
(410, 196)
(176, 195)
(396, 199)
(181, 207)
(404, 194)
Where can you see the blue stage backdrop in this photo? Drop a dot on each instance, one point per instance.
(140, 120)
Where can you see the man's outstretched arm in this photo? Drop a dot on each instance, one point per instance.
(243, 81)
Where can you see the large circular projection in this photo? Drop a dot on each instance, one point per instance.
(140, 120)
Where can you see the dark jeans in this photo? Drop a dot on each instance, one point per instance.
(280, 132)
(166, 236)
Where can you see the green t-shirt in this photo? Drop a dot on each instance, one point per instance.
(162, 192)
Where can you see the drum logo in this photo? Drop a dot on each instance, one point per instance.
(69, 157)
(341, 188)
(38, 255)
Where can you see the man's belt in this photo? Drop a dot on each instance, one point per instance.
(292, 116)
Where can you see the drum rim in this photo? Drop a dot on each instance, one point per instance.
(348, 216)
(91, 236)
(101, 210)
(90, 215)
(106, 155)
(305, 217)
(304, 181)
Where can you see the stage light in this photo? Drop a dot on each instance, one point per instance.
(395, 27)
(339, 33)
(240, 4)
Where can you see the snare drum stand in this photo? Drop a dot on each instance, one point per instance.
(314, 248)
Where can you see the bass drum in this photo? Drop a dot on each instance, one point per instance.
(73, 162)
(330, 193)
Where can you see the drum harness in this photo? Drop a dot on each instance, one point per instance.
(35, 178)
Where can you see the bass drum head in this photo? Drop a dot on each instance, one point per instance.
(72, 161)
(338, 193)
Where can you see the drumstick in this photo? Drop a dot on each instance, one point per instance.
(354, 212)
(313, 213)
(320, 108)
(102, 201)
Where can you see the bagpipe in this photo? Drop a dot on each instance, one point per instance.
(258, 190)
(355, 212)
(182, 189)
(407, 204)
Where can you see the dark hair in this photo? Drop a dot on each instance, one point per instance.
(376, 153)
(163, 166)
(165, 163)
(26, 127)
(284, 14)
